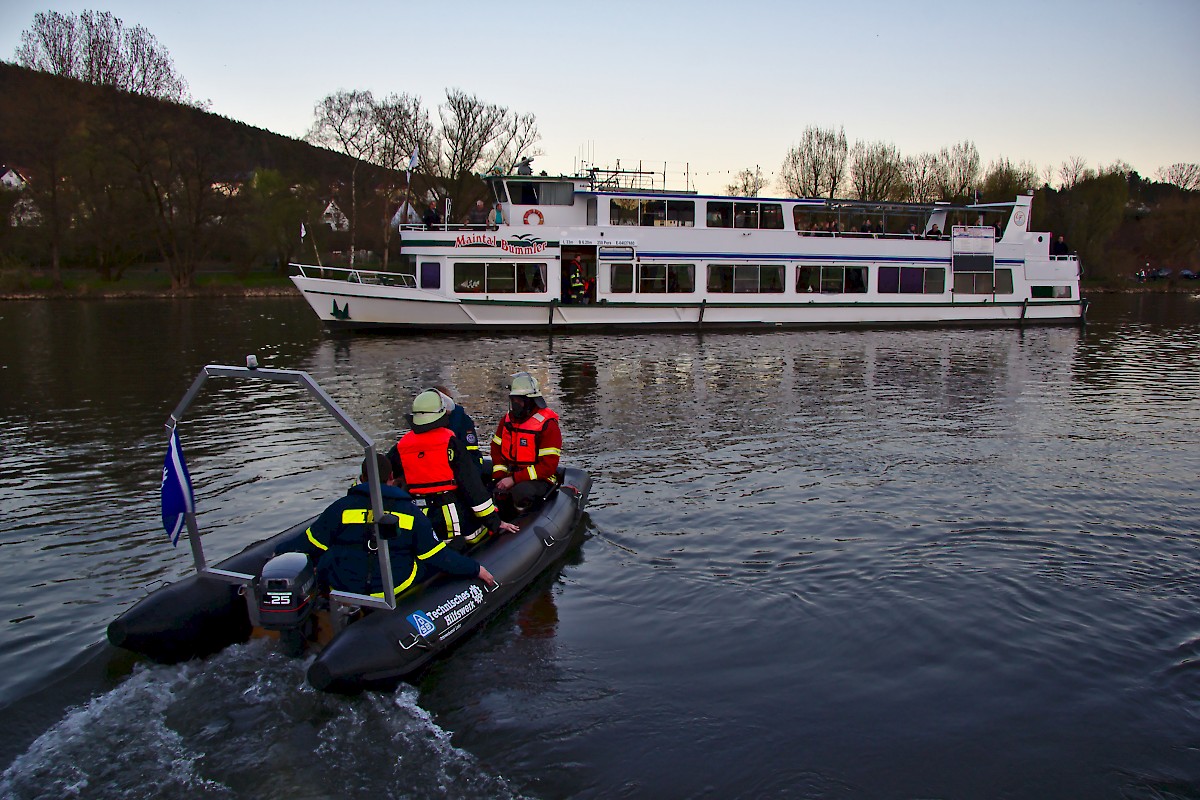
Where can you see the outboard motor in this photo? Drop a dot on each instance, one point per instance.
(287, 593)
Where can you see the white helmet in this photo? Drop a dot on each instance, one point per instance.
(430, 406)
(522, 384)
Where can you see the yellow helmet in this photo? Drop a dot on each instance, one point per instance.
(430, 406)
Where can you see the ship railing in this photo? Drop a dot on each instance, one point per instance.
(383, 524)
(448, 226)
(352, 275)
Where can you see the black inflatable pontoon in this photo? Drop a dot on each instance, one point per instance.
(374, 642)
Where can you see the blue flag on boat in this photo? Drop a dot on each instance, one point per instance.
(177, 498)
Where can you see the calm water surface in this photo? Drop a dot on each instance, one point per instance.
(866, 564)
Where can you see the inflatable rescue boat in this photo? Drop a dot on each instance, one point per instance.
(361, 641)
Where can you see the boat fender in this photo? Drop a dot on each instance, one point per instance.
(533, 212)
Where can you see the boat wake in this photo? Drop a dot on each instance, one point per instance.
(245, 723)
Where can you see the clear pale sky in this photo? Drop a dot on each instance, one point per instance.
(715, 86)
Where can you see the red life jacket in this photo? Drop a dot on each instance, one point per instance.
(423, 457)
(519, 442)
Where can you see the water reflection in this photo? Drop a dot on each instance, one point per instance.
(862, 517)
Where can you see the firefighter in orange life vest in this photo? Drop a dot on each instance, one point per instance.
(525, 448)
(436, 467)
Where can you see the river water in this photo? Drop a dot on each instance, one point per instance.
(851, 564)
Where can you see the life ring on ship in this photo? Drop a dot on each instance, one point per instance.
(533, 212)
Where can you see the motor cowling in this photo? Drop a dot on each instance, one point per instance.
(287, 592)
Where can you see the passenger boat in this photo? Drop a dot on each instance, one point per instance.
(656, 258)
(361, 641)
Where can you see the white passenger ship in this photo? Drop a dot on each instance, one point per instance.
(657, 258)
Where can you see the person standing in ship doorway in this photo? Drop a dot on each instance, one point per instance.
(576, 286)
(526, 449)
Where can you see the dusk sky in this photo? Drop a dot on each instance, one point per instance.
(709, 86)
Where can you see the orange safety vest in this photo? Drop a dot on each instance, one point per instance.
(519, 442)
(423, 457)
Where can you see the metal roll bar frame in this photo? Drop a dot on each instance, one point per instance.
(379, 516)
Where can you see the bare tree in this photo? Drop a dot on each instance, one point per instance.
(816, 166)
(1185, 176)
(875, 172)
(475, 137)
(96, 47)
(345, 123)
(960, 173)
(1072, 171)
(1005, 180)
(922, 177)
(402, 128)
(747, 183)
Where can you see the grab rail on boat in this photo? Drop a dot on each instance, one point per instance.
(382, 518)
(355, 275)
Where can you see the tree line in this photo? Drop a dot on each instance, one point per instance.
(125, 167)
(1112, 217)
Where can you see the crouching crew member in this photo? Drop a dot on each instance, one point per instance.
(525, 448)
(343, 544)
(434, 465)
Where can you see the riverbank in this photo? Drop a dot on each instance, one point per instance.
(140, 283)
(119, 293)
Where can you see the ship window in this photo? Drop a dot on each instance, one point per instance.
(681, 278)
(468, 278)
(745, 215)
(719, 215)
(681, 213)
(499, 278)
(771, 217)
(616, 252)
(652, 278)
(591, 211)
(912, 280)
(546, 193)
(720, 276)
(523, 193)
(498, 189)
(745, 278)
(623, 211)
(1050, 292)
(983, 282)
(621, 278)
(1004, 281)
(531, 278)
(831, 280)
(431, 275)
(654, 212)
